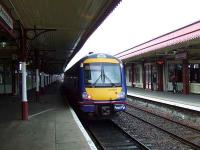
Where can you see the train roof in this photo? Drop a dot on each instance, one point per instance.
(93, 55)
(99, 55)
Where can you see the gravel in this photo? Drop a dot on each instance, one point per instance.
(147, 134)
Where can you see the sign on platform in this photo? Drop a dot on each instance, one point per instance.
(181, 56)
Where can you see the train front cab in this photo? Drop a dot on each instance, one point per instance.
(103, 86)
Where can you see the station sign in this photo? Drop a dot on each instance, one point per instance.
(181, 56)
(5, 17)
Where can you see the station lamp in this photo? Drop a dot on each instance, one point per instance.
(3, 44)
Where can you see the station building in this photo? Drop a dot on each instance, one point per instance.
(151, 65)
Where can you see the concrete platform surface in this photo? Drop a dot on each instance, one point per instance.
(51, 125)
(191, 101)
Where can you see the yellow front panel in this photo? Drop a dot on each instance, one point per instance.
(101, 60)
(104, 93)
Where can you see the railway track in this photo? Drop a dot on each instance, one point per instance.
(161, 116)
(188, 135)
(149, 135)
(110, 137)
(179, 115)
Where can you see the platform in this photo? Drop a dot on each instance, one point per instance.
(51, 125)
(191, 101)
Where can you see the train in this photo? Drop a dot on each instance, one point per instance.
(96, 85)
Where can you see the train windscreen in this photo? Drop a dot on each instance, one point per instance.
(102, 75)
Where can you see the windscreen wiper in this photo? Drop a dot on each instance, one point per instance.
(100, 76)
(113, 84)
(96, 80)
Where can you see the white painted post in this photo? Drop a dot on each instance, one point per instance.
(48, 79)
(24, 88)
(42, 79)
(37, 80)
(24, 93)
(37, 92)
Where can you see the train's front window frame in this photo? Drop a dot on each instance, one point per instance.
(102, 75)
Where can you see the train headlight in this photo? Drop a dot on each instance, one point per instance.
(122, 94)
(86, 96)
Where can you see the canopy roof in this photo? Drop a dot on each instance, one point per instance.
(58, 29)
(185, 39)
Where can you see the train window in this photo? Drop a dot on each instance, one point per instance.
(91, 73)
(112, 73)
(102, 74)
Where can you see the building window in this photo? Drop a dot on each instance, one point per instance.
(175, 69)
(194, 73)
(170, 72)
(1, 74)
(178, 72)
(137, 74)
(8, 75)
(130, 74)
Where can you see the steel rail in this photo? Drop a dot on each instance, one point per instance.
(182, 140)
(139, 143)
(160, 116)
(104, 147)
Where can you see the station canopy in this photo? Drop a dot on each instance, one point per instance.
(57, 29)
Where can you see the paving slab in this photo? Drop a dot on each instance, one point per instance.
(190, 101)
(51, 125)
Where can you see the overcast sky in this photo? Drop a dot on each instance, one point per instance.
(134, 22)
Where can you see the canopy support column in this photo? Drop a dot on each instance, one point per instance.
(24, 93)
(143, 76)
(23, 48)
(133, 74)
(37, 85)
(160, 77)
(185, 77)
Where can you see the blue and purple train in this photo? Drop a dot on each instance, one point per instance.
(96, 85)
